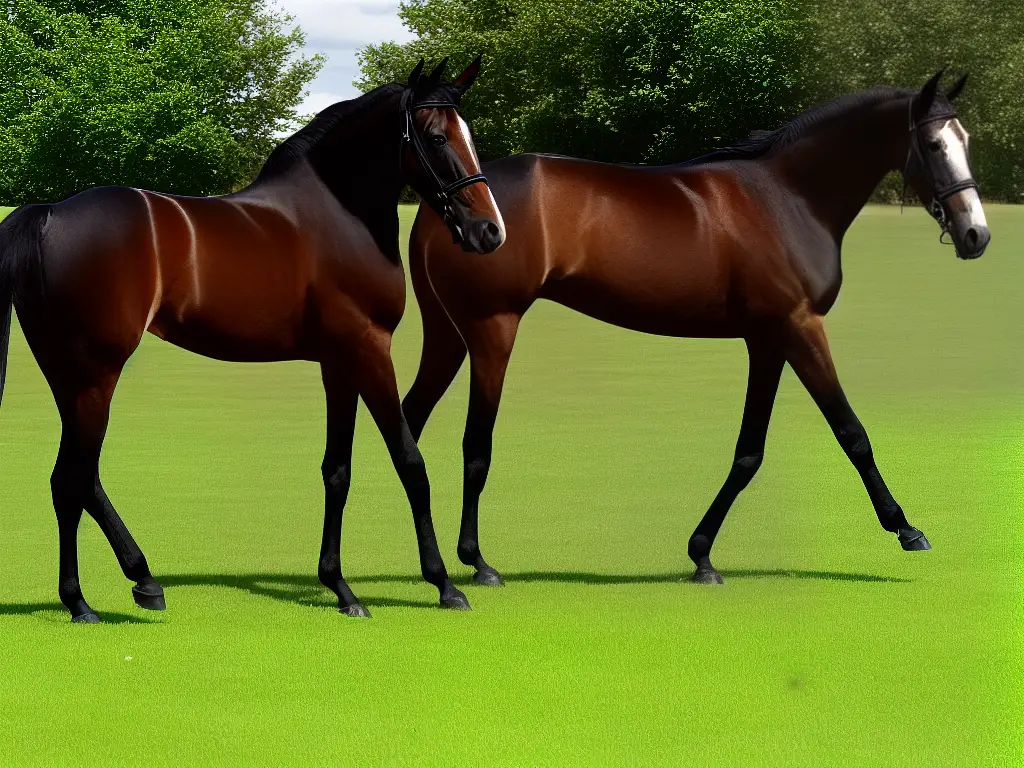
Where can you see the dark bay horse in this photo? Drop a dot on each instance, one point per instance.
(301, 265)
(744, 242)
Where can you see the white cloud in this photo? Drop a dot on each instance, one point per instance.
(337, 29)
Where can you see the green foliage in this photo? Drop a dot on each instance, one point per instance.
(173, 95)
(619, 80)
(660, 80)
(859, 43)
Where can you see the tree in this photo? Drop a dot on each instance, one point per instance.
(650, 81)
(174, 95)
(855, 44)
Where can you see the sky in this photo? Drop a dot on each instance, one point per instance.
(337, 29)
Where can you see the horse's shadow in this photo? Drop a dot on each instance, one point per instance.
(61, 614)
(306, 590)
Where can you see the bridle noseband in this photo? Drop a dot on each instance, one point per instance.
(443, 194)
(939, 195)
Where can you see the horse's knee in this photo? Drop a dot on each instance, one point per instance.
(337, 477)
(476, 470)
(745, 466)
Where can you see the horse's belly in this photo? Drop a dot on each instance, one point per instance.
(235, 331)
(658, 307)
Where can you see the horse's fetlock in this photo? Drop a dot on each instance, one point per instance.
(698, 548)
(468, 551)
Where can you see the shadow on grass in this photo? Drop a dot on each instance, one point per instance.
(294, 588)
(28, 609)
(571, 577)
(306, 589)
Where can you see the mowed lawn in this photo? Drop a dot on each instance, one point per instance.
(828, 645)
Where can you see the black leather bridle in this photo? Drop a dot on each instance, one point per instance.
(939, 194)
(443, 194)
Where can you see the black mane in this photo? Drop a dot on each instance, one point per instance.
(761, 143)
(302, 142)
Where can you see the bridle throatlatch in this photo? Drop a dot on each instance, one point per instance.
(443, 194)
(939, 194)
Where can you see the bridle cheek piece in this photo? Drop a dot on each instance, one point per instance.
(939, 195)
(443, 194)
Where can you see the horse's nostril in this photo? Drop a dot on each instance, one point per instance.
(492, 229)
(972, 237)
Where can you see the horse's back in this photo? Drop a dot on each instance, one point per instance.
(656, 249)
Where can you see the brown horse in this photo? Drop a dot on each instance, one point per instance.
(301, 265)
(744, 242)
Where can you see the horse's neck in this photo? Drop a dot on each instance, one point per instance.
(359, 164)
(837, 169)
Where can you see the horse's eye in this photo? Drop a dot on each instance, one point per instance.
(438, 140)
(934, 145)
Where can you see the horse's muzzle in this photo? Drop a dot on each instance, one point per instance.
(481, 236)
(975, 241)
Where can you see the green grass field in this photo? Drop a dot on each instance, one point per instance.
(828, 645)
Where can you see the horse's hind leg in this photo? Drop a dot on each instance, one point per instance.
(85, 410)
(766, 362)
(808, 353)
(342, 402)
(379, 390)
(490, 344)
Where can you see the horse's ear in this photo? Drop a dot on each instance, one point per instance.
(468, 76)
(414, 76)
(924, 100)
(435, 76)
(953, 92)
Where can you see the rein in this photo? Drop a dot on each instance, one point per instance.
(939, 196)
(444, 194)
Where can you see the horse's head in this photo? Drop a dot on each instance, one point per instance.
(939, 169)
(440, 162)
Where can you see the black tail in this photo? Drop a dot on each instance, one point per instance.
(19, 256)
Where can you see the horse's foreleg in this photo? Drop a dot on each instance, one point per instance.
(766, 362)
(442, 355)
(85, 411)
(379, 390)
(490, 344)
(342, 402)
(808, 353)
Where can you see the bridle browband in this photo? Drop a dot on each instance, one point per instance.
(939, 196)
(443, 193)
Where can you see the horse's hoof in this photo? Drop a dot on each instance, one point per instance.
(356, 610)
(86, 618)
(707, 576)
(455, 600)
(488, 577)
(912, 540)
(149, 595)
